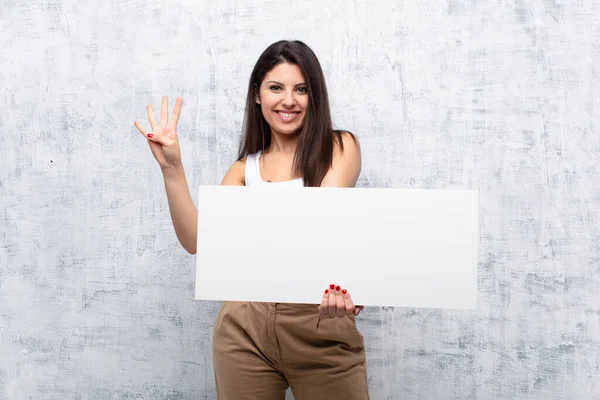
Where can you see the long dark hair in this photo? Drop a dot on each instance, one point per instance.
(314, 151)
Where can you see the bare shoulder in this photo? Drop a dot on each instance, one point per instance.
(236, 175)
(346, 163)
(348, 142)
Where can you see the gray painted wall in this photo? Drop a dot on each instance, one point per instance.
(96, 296)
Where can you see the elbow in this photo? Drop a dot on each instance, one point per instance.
(189, 247)
(191, 250)
(188, 242)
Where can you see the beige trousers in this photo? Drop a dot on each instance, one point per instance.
(259, 349)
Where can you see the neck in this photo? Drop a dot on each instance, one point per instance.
(283, 144)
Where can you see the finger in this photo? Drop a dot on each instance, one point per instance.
(151, 118)
(142, 130)
(340, 304)
(349, 309)
(323, 305)
(152, 137)
(176, 112)
(331, 301)
(164, 110)
(358, 309)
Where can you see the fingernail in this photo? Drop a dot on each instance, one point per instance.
(150, 135)
(337, 288)
(332, 286)
(344, 291)
(326, 291)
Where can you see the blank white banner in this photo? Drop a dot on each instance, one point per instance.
(387, 247)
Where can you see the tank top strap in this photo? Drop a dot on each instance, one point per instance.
(252, 175)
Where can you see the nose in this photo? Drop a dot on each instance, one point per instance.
(288, 99)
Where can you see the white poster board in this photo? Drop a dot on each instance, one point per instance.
(388, 247)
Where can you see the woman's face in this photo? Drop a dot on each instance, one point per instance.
(283, 98)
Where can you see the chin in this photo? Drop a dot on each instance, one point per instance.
(287, 129)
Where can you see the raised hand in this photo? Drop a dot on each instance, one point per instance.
(162, 137)
(337, 302)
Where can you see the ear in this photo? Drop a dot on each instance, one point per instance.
(257, 94)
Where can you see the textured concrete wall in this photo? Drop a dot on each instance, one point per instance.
(96, 296)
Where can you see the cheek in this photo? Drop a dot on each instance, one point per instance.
(304, 102)
(304, 105)
(266, 112)
(266, 102)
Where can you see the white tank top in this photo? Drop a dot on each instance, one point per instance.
(253, 177)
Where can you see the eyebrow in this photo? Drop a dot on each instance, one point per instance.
(281, 84)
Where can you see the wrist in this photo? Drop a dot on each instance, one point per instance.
(173, 171)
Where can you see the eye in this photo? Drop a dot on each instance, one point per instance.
(275, 87)
(302, 89)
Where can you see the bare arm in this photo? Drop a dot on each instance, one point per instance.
(344, 172)
(184, 213)
(164, 144)
(346, 165)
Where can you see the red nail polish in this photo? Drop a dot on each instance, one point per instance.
(332, 286)
(326, 291)
(337, 287)
(344, 291)
(150, 135)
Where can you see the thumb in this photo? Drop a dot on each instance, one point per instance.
(152, 136)
(159, 139)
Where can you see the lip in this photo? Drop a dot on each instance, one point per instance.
(285, 119)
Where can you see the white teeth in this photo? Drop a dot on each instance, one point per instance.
(287, 115)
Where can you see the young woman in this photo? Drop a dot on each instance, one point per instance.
(259, 349)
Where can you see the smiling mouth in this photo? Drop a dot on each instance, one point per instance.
(287, 116)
